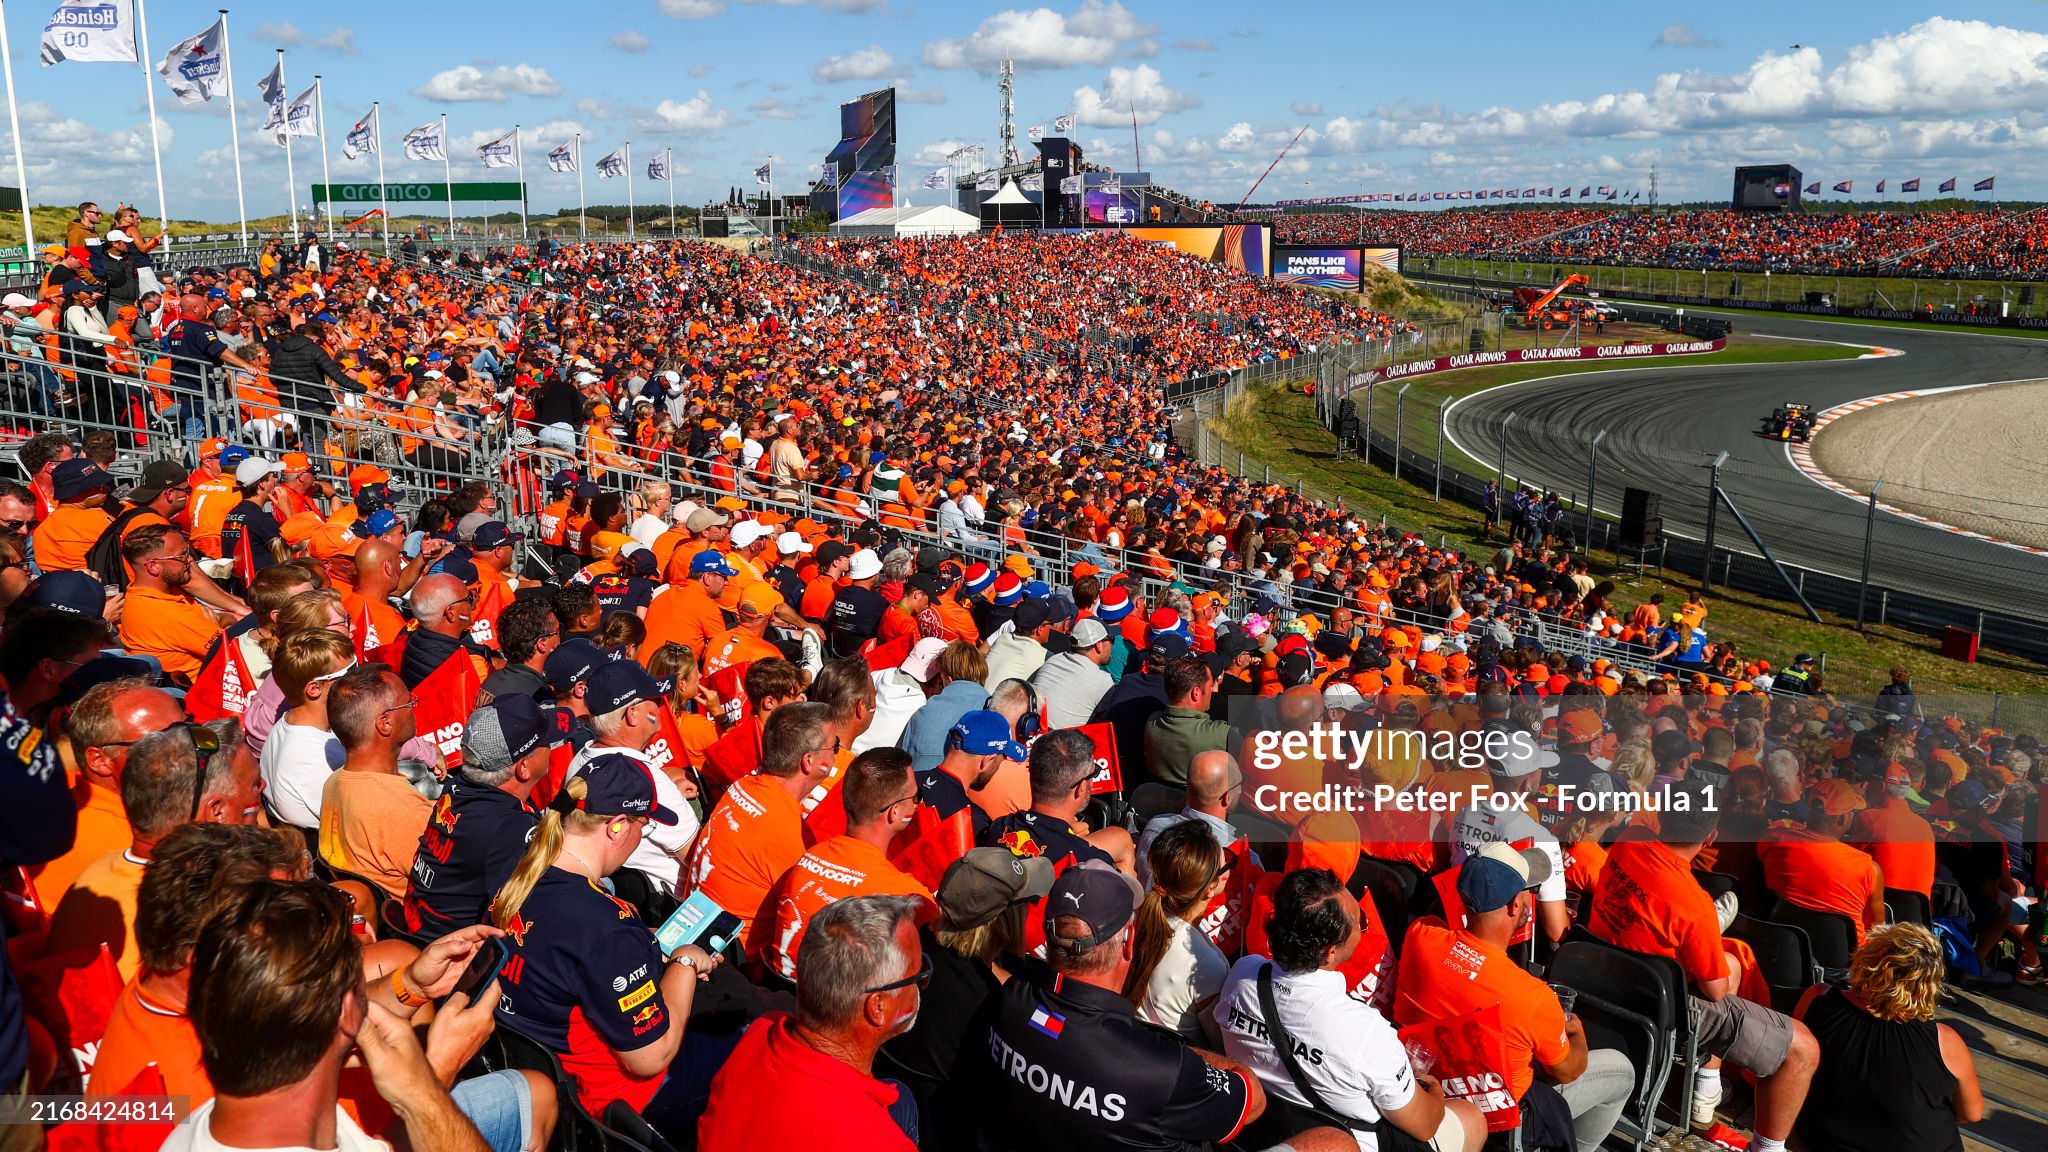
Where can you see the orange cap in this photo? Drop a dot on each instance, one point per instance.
(1579, 726)
(1836, 797)
(331, 541)
(297, 462)
(759, 599)
(605, 545)
(363, 475)
(300, 526)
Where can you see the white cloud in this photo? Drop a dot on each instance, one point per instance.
(467, 83)
(905, 94)
(769, 108)
(699, 70)
(1042, 38)
(1130, 91)
(629, 42)
(1306, 108)
(695, 115)
(339, 40)
(595, 109)
(1195, 44)
(1683, 36)
(285, 35)
(870, 63)
(933, 155)
(692, 9)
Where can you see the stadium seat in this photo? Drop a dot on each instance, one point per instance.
(1905, 906)
(1718, 883)
(627, 1131)
(1393, 891)
(1155, 799)
(1639, 1005)
(1831, 934)
(576, 1130)
(390, 909)
(1783, 954)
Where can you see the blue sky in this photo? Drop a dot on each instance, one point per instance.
(1407, 97)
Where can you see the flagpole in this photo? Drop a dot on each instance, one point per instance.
(582, 209)
(291, 178)
(629, 191)
(447, 180)
(156, 151)
(28, 228)
(669, 166)
(227, 65)
(320, 110)
(519, 158)
(383, 195)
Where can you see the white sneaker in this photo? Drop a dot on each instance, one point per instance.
(1703, 1107)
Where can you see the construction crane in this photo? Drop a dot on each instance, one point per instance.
(1536, 304)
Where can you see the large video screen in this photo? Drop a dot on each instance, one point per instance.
(1771, 187)
(867, 145)
(1340, 268)
(1240, 246)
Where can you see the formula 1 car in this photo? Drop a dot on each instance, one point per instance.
(1789, 422)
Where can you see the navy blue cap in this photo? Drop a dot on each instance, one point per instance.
(983, 732)
(77, 476)
(69, 591)
(1170, 646)
(711, 561)
(102, 670)
(1492, 877)
(564, 479)
(1968, 794)
(459, 565)
(615, 785)
(492, 534)
(621, 682)
(507, 730)
(570, 662)
(641, 562)
(587, 489)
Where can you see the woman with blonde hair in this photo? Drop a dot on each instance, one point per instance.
(313, 608)
(1890, 1076)
(1176, 973)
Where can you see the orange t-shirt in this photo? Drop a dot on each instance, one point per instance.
(1648, 901)
(102, 828)
(834, 870)
(208, 510)
(370, 824)
(665, 545)
(735, 648)
(818, 597)
(753, 835)
(1824, 875)
(100, 909)
(169, 626)
(372, 620)
(1447, 973)
(685, 614)
(1902, 843)
(1583, 863)
(142, 1032)
(66, 535)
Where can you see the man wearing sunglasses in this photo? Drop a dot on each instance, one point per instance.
(161, 618)
(861, 980)
(882, 798)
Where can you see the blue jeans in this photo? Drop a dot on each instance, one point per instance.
(500, 1104)
(44, 386)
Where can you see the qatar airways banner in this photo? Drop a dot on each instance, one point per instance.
(1533, 356)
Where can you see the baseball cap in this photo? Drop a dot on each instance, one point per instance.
(507, 730)
(16, 300)
(618, 683)
(639, 560)
(1343, 697)
(1173, 646)
(1523, 758)
(381, 521)
(711, 561)
(982, 733)
(72, 591)
(704, 518)
(571, 661)
(1492, 877)
(492, 534)
(1836, 798)
(232, 455)
(157, 476)
(923, 582)
(606, 545)
(1033, 615)
(864, 565)
(331, 540)
(922, 657)
(363, 475)
(615, 784)
(77, 476)
(299, 527)
(1895, 774)
(746, 532)
(100, 670)
(1672, 745)
(1100, 896)
(1090, 632)
(465, 528)
(977, 887)
(1114, 605)
(560, 481)
(255, 468)
(791, 544)
(1968, 794)
(1579, 726)
(759, 599)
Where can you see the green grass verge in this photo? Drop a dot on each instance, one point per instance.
(1277, 427)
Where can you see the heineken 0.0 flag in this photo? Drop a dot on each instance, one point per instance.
(499, 153)
(424, 143)
(362, 139)
(937, 179)
(562, 158)
(1063, 123)
(987, 182)
(657, 168)
(613, 164)
(193, 67)
(90, 30)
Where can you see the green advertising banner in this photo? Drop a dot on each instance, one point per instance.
(420, 192)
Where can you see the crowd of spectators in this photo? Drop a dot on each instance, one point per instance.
(1993, 245)
(865, 746)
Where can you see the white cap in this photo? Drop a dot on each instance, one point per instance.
(1089, 632)
(922, 657)
(255, 468)
(864, 565)
(1343, 698)
(681, 512)
(746, 532)
(792, 543)
(119, 237)
(248, 293)
(1524, 757)
(586, 378)
(16, 300)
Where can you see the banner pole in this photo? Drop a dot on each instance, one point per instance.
(320, 111)
(519, 158)
(447, 181)
(582, 209)
(156, 148)
(629, 191)
(670, 167)
(28, 227)
(291, 177)
(227, 65)
(383, 193)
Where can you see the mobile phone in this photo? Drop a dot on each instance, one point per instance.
(483, 968)
(698, 921)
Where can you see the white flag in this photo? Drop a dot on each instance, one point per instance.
(193, 67)
(91, 30)
(562, 158)
(937, 179)
(1070, 185)
(1114, 186)
(499, 153)
(1035, 132)
(657, 168)
(613, 165)
(302, 118)
(425, 143)
(828, 176)
(362, 138)
(1032, 182)
(765, 174)
(1063, 123)
(964, 151)
(987, 182)
(889, 175)
(272, 89)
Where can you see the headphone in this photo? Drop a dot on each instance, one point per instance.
(1032, 724)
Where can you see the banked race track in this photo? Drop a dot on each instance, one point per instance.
(1666, 422)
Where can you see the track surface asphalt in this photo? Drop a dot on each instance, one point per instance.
(1666, 423)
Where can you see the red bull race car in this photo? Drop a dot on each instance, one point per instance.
(1791, 422)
